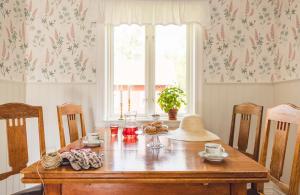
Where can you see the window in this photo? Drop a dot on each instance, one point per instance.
(141, 62)
(170, 59)
(129, 68)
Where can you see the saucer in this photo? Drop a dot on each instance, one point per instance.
(95, 143)
(213, 157)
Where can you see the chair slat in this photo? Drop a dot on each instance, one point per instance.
(244, 132)
(17, 146)
(279, 149)
(73, 130)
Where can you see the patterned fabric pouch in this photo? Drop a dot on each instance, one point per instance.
(83, 159)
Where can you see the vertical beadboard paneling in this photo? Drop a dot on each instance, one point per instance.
(287, 92)
(49, 95)
(218, 101)
(10, 91)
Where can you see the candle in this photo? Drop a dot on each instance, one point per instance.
(121, 95)
(121, 102)
(129, 90)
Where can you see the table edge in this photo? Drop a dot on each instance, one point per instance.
(151, 180)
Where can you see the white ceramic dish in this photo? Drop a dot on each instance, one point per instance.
(95, 143)
(213, 157)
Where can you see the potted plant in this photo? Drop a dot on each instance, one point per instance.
(170, 101)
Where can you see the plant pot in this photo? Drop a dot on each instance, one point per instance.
(173, 114)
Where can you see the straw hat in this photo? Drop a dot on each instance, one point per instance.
(192, 129)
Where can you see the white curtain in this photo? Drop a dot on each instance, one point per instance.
(117, 12)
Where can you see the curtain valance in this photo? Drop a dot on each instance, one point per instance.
(117, 12)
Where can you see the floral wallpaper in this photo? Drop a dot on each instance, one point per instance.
(287, 56)
(241, 43)
(248, 41)
(52, 40)
(12, 39)
(60, 41)
(252, 41)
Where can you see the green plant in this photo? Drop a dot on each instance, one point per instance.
(171, 98)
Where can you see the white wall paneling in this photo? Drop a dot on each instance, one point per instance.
(287, 92)
(49, 95)
(218, 101)
(12, 91)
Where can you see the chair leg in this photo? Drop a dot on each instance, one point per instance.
(260, 187)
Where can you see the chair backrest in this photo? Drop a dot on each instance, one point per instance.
(284, 115)
(246, 110)
(70, 110)
(15, 115)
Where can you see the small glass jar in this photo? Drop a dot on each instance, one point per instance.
(131, 127)
(114, 128)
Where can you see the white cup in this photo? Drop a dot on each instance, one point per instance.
(92, 137)
(213, 148)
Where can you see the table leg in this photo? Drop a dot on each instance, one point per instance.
(52, 189)
(238, 189)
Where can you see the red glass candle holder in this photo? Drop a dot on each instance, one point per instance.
(130, 131)
(114, 128)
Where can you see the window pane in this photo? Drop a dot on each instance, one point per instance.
(129, 67)
(170, 58)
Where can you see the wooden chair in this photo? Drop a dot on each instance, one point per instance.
(246, 111)
(70, 110)
(284, 115)
(15, 115)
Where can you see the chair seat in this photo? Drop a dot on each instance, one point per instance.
(36, 190)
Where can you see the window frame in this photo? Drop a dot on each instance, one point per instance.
(150, 72)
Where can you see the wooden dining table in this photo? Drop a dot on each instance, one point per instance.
(130, 167)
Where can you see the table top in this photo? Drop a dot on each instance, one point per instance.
(132, 161)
